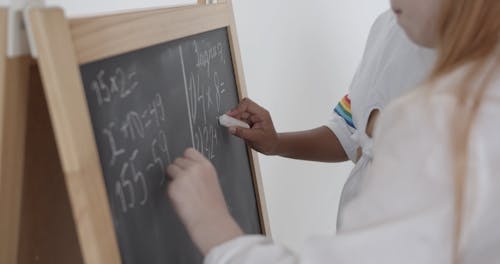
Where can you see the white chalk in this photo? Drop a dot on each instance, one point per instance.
(228, 121)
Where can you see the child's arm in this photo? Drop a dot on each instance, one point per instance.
(319, 144)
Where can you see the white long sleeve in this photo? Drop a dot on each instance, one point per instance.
(404, 213)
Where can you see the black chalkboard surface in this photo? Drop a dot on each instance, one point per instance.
(147, 107)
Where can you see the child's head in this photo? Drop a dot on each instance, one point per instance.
(461, 30)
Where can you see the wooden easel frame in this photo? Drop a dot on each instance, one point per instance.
(36, 224)
(62, 46)
(12, 128)
(14, 74)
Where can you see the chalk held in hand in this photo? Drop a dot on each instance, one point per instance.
(228, 121)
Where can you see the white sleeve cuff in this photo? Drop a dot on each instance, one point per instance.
(250, 249)
(340, 128)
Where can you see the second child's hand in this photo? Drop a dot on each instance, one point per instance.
(261, 135)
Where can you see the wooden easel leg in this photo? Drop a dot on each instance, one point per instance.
(13, 124)
(47, 232)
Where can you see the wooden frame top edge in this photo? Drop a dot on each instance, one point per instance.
(136, 30)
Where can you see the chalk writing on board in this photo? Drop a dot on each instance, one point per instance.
(125, 185)
(186, 89)
(115, 152)
(159, 147)
(204, 97)
(219, 87)
(119, 84)
(131, 185)
(205, 56)
(135, 124)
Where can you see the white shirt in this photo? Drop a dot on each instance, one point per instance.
(404, 212)
(391, 66)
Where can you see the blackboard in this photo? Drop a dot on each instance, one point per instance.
(147, 106)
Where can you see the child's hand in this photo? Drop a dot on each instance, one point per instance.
(261, 135)
(197, 197)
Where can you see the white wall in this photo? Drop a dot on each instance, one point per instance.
(299, 58)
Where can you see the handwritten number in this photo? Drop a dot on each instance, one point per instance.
(127, 184)
(106, 93)
(138, 176)
(121, 196)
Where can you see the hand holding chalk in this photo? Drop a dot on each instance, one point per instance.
(228, 121)
(261, 136)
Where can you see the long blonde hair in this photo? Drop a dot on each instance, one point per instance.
(469, 32)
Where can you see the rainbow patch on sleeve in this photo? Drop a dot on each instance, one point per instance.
(343, 109)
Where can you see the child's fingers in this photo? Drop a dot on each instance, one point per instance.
(248, 106)
(252, 107)
(183, 163)
(251, 120)
(244, 116)
(245, 133)
(255, 119)
(258, 125)
(240, 108)
(173, 171)
(193, 154)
